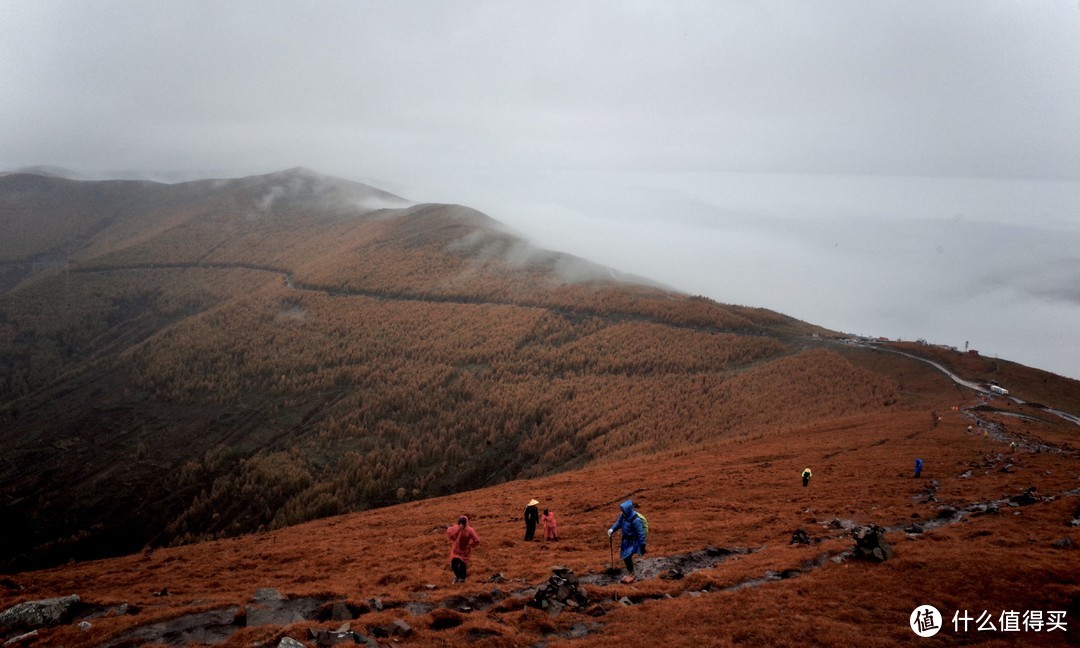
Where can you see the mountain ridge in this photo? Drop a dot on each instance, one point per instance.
(316, 354)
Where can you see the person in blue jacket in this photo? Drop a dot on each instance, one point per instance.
(633, 537)
(918, 467)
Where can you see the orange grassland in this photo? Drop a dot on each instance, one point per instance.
(729, 494)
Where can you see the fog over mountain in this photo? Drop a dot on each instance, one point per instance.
(891, 168)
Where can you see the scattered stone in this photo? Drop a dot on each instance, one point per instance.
(32, 615)
(341, 611)
(800, 537)
(562, 590)
(164, 591)
(379, 632)
(1027, 498)
(946, 512)
(270, 611)
(914, 529)
(497, 578)
(1064, 543)
(837, 559)
(289, 642)
(21, 638)
(400, 629)
(626, 601)
(985, 509)
(965, 475)
(376, 604)
(431, 586)
(673, 574)
(85, 625)
(325, 638)
(122, 610)
(870, 544)
(267, 594)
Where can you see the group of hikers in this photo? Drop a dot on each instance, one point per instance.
(632, 525)
(532, 516)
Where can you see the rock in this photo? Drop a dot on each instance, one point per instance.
(625, 601)
(800, 537)
(32, 615)
(339, 611)
(1027, 498)
(673, 574)
(268, 594)
(163, 592)
(1064, 543)
(965, 475)
(555, 608)
(497, 578)
(21, 638)
(400, 629)
(85, 625)
(326, 638)
(122, 610)
(289, 642)
(376, 604)
(914, 529)
(563, 587)
(946, 512)
(379, 632)
(258, 615)
(870, 544)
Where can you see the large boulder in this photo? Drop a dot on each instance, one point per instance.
(561, 591)
(870, 544)
(32, 615)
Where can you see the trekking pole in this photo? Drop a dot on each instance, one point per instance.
(611, 548)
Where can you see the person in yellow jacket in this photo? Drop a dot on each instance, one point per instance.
(806, 474)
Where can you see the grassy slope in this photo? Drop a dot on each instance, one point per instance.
(743, 494)
(170, 365)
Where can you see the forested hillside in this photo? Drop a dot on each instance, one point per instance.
(211, 358)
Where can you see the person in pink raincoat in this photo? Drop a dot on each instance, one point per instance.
(462, 539)
(548, 520)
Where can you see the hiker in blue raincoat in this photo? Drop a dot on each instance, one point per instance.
(633, 537)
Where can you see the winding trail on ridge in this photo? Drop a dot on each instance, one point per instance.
(291, 283)
(974, 386)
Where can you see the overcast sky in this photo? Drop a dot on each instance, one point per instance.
(904, 169)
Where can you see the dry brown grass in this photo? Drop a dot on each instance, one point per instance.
(726, 494)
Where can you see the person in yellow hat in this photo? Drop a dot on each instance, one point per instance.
(806, 474)
(532, 516)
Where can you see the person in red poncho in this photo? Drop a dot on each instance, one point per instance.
(548, 520)
(462, 540)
